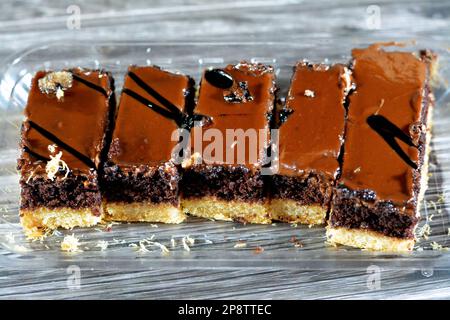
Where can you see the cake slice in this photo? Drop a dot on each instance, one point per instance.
(384, 171)
(311, 132)
(140, 180)
(64, 136)
(223, 179)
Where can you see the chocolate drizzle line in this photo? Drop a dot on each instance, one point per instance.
(34, 154)
(389, 131)
(160, 110)
(50, 136)
(141, 83)
(90, 84)
(182, 119)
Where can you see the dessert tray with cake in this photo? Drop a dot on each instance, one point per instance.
(318, 155)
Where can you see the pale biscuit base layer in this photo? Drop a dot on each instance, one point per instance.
(291, 211)
(367, 239)
(38, 221)
(143, 212)
(212, 208)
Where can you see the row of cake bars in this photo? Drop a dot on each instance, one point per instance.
(350, 150)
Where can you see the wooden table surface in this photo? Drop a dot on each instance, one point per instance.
(27, 23)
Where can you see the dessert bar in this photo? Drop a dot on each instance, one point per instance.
(64, 136)
(222, 179)
(311, 132)
(140, 180)
(384, 170)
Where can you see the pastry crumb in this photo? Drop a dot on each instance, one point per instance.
(309, 93)
(70, 243)
(55, 164)
(56, 83)
(187, 241)
(259, 250)
(437, 246)
(240, 244)
(103, 245)
(424, 232)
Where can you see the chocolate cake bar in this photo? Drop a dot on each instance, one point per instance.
(376, 202)
(311, 132)
(64, 136)
(224, 181)
(140, 180)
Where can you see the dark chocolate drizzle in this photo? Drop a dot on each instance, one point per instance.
(389, 131)
(182, 119)
(34, 154)
(219, 78)
(50, 136)
(160, 110)
(90, 84)
(141, 83)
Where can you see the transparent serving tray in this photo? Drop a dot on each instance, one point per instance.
(209, 244)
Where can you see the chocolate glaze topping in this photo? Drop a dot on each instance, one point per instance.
(245, 114)
(76, 123)
(380, 154)
(153, 105)
(312, 128)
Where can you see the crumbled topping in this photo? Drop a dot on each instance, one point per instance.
(309, 93)
(437, 246)
(238, 93)
(103, 245)
(187, 241)
(240, 244)
(56, 83)
(55, 164)
(424, 232)
(70, 244)
(143, 245)
(259, 250)
(297, 243)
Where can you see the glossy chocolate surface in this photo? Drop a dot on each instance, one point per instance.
(150, 111)
(240, 112)
(76, 123)
(385, 111)
(310, 138)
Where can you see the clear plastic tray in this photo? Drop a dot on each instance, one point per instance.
(215, 242)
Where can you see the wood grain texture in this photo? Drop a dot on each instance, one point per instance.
(25, 24)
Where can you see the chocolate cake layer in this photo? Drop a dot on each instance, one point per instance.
(385, 146)
(229, 150)
(234, 183)
(68, 116)
(307, 189)
(143, 183)
(154, 105)
(311, 129)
